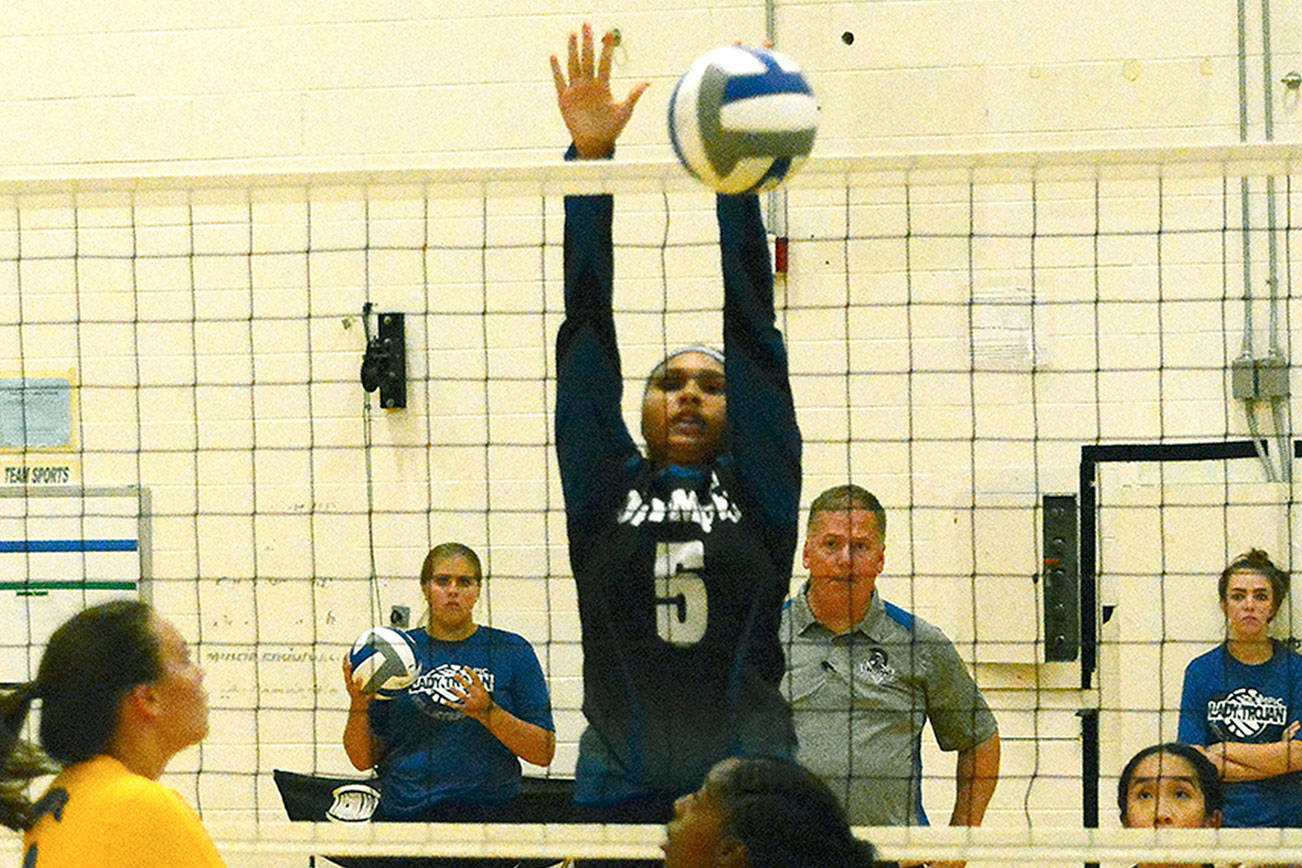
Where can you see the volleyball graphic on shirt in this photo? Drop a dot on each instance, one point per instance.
(439, 690)
(1246, 712)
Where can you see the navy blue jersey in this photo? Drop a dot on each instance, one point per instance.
(1225, 700)
(432, 753)
(681, 571)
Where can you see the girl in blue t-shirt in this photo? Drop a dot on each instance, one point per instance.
(449, 748)
(1243, 699)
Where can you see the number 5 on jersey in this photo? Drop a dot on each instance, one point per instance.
(681, 608)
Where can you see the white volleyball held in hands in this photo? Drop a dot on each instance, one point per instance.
(742, 119)
(384, 662)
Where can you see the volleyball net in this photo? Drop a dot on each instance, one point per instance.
(1002, 347)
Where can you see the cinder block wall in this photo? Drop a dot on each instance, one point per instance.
(215, 333)
(232, 84)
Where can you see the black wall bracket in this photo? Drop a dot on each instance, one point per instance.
(385, 364)
(1061, 576)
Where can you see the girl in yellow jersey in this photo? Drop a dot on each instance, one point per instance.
(120, 696)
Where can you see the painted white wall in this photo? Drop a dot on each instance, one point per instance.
(193, 317)
(229, 82)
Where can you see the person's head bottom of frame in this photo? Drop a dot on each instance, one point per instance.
(1169, 786)
(760, 812)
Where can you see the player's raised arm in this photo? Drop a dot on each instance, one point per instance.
(766, 438)
(590, 113)
(592, 441)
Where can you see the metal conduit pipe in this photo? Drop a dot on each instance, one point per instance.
(1245, 369)
(1276, 360)
(776, 201)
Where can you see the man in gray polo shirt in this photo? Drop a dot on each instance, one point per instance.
(864, 676)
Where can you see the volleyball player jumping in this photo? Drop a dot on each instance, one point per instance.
(682, 557)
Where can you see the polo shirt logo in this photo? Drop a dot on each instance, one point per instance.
(877, 668)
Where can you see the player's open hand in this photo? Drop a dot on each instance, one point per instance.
(473, 698)
(591, 114)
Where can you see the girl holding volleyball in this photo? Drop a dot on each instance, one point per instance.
(449, 746)
(682, 555)
(120, 696)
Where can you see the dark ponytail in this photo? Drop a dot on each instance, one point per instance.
(93, 660)
(20, 761)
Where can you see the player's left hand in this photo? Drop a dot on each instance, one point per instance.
(474, 699)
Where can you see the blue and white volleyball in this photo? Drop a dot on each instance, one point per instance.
(384, 662)
(742, 119)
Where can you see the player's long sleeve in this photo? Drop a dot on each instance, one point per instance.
(592, 441)
(761, 412)
(765, 437)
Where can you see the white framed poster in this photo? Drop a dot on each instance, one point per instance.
(63, 549)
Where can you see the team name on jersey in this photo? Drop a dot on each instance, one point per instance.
(683, 505)
(441, 682)
(1246, 712)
